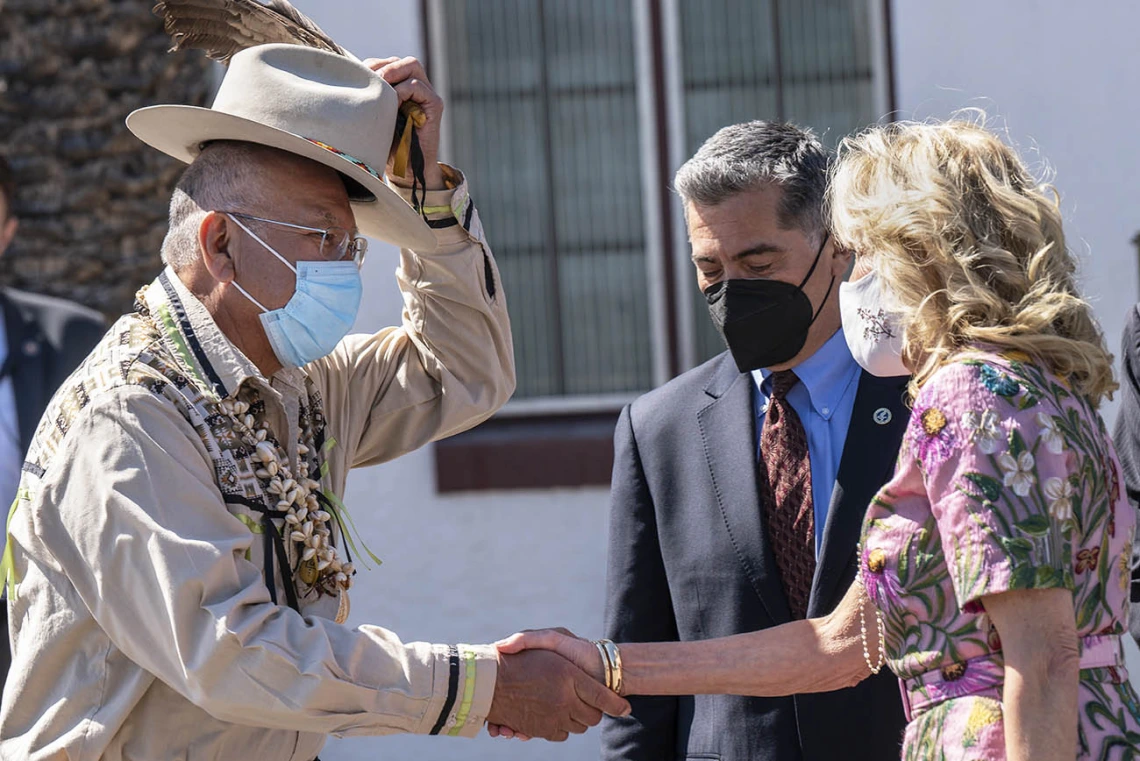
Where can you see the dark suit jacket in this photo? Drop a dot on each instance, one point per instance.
(1126, 437)
(47, 339)
(689, 559)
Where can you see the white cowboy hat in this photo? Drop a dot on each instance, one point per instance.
(323, 106)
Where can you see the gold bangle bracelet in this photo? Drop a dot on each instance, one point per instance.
(607, 667)
(614, 655)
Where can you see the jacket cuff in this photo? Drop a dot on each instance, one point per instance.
(450, 213)
(464, 686)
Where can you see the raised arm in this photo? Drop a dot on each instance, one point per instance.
(450, 364)
(446, 368)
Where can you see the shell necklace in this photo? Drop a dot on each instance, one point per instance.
(297, 501)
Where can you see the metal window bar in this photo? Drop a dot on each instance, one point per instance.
(543, 117)
(807, 61)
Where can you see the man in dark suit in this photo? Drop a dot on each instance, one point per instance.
(41, 341)
(1126, 437)
(739, 488)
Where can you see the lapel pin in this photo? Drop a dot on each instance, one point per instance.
(882, 416)
(31, 348)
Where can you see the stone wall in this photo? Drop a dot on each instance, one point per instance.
(91, 197)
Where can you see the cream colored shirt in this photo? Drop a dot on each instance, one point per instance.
(140, 630)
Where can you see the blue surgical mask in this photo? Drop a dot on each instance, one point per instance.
(319, 314)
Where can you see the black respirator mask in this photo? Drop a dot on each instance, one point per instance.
(764, 322)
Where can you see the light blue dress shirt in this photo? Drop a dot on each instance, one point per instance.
(11, 452)
(824, 399)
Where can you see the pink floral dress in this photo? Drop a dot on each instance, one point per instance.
(1006, 480)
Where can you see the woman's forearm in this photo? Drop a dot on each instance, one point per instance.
(816, 655)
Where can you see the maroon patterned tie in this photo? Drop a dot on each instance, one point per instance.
(785, 488)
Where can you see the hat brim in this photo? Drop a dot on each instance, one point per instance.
(180, 132)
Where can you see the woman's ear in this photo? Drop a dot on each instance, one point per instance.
(216, 241)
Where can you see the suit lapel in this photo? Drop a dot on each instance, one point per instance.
(728, 436)
(29, 375)
(869, 455)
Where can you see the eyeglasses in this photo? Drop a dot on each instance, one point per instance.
(336, 242)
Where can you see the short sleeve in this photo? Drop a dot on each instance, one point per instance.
(993, 444)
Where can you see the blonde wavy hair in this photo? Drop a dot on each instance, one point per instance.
(972, 246)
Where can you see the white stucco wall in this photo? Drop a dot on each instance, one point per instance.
(457, 569)
(1061, 77)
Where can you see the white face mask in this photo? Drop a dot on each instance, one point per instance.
(871, 326)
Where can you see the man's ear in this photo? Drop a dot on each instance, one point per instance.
(215, 242)
(842, 260)
(7, 233)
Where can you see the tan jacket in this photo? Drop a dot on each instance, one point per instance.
(142, 625)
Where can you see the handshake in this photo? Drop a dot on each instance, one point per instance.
(552, 683)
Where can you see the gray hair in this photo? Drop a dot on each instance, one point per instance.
(224, 177)
(744, 157)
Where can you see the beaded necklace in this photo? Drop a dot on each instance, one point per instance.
(300, 503)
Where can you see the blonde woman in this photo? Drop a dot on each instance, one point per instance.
(994, 565)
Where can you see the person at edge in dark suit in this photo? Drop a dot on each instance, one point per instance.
(41, 341)
(1126, 437)
(721, 521)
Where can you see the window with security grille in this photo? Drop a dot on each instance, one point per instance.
(570, 117)
(811, 62)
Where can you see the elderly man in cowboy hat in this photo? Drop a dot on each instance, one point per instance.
(177, 559)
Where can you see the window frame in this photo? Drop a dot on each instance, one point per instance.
(664, 362)
(545, 420)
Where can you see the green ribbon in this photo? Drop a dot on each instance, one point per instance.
(344, 518)
(341, 513)
(7, 563)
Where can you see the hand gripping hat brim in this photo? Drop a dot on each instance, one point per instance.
(322, 106)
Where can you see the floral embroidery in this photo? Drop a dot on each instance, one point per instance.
(932, 438)
(1018, 472)
(933, 421)
(999, 382)
(1088, 559)
(984, 430)
(883, 589)
(1114, 476)
(1050, 434)
(1059, 492)
(876, 325)
(984, 713)
(952, 672)
(1008, 482)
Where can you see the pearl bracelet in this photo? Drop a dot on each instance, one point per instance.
(864, 600)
